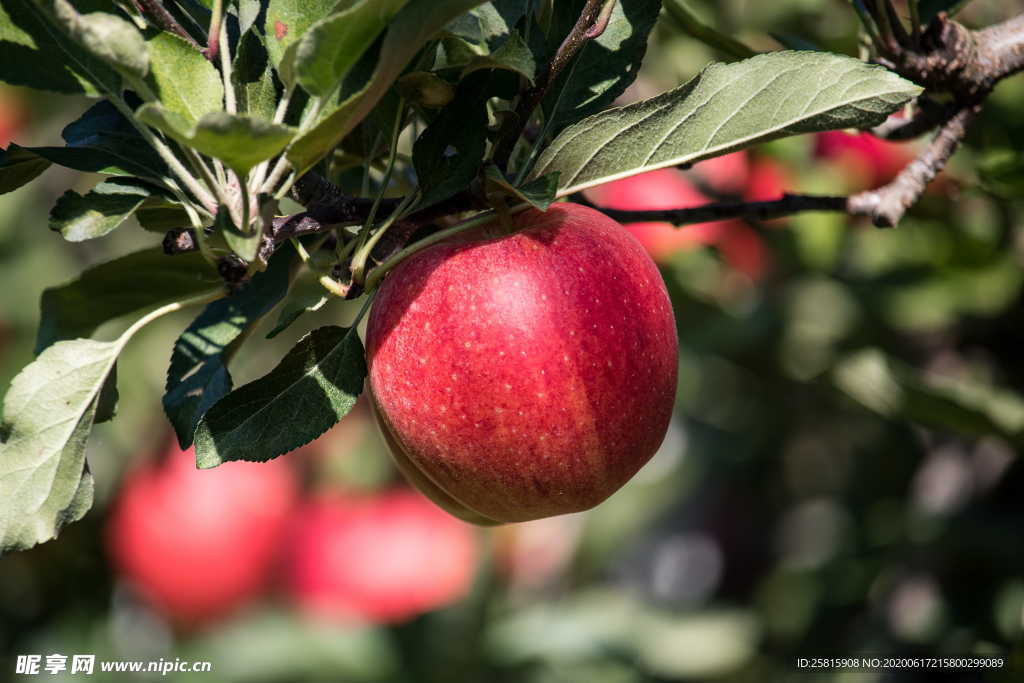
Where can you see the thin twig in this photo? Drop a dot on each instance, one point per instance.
(162, 19)
(887, 204)
(787, 205)
(929, 115)
(213, 37)
(591, 24)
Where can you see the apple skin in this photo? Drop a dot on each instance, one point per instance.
(524, 375)
(197, 544)
(383, 558)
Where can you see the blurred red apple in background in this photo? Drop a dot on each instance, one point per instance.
(668, 188)
(665, 188)
(528, 374)
(726, 175)
(196, 544)
(380, 557)
(12, 115)
(866, 160)
(534, 554)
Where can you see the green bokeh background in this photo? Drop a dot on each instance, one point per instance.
(841, 476)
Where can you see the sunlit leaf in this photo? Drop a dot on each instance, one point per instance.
(314, 386)
(725, 108)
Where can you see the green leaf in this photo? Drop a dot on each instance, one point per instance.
(425, 89)
(19, 166)
(101, 141)
(448, 154)
(106, 134)
(1001, 171)
(327, 51)
(112, 159)
(686, 20)
(184, 80)
(101, 210)
(307, 295)
(538, 193)
(244, 244)
(35, 53)
(106, 37)
(315, 385)
(895, 390)
(513, 55)
(605, 66)
(239, 141)
(411, 28)
(110, 290)
(248, 15)
(160, 214)
(489, 24)
(725, 108)
(48, 413)
(198, 376)
(254, 79)
(288, 20)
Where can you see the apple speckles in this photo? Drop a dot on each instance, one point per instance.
(550, 319)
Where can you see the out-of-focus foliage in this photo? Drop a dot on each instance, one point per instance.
(841, 476)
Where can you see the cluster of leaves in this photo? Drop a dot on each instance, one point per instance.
(213, 139)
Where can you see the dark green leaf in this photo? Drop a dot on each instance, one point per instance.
(412, 27)
(19, 166)
(110, 290)
(184, 80)
(307, 295)
(448, 154)
(198, 375)
(101, 210)
(513, 55)
(604, 67)
(36, 54)
(104, 141)
(538, 193)
(315, 385)
(724, 108)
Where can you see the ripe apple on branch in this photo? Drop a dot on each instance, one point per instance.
(521, 349)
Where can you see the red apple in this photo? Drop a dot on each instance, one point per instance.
(381, 558)
(726, 174)
(196, 544)
(525, 374)
(868, 161)
(12, 115)
(665, 188)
